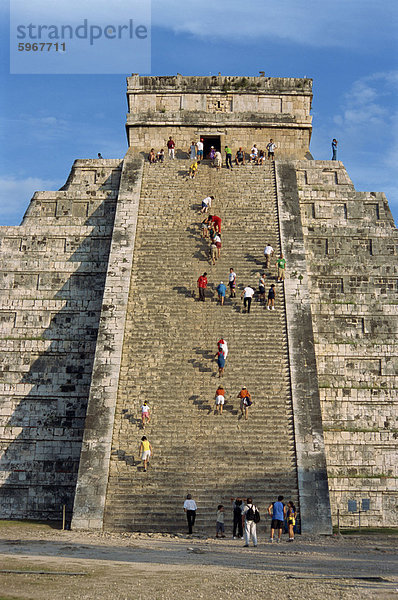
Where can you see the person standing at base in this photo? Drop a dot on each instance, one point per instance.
(237, 514)
(248, 523)
(146, 451)
(291, 519)
(220, 528)
(202, 285)
(247, 296)
(334, 149)
(277, 511)
(190, 509)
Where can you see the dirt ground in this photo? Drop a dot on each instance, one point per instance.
(38, 562)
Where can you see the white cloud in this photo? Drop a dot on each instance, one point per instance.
(342, 23)
(15, 195)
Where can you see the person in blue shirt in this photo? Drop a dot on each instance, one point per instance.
(221, 290)
(277, 510)
(334, 149)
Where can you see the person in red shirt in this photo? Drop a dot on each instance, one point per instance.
(202, 285)
(171, 146)
(216, 221)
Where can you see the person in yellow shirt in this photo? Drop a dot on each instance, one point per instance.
(193, 169)
(146, 451)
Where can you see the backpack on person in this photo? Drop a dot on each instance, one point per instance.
(247, 401)
(253, 514)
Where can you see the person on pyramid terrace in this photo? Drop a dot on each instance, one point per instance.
(152, 157)
(220, 356)
(247, 296)
(237, 514)
(192, 151)
(232, 283)
(268, 253)
(171, 147)
(281, 265)
(271, 149)
(212, 153)
(261, 158)
(160, 156)
(240, 157)
(145, 413)
(213, 252)
(271, 298)
(199, 148)
(220, 528)
(253, 154)
(261, 287)
(221, 291)
(245, 402)
(277, 511)
(334, 149)
(146, 451)
(249, 523)
(206, 204)
(217, 162)
(228, 157)
(202, 285)
(219, 399)
(190, 509)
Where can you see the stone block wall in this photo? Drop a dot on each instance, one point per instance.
(51, 286)
(350, 242)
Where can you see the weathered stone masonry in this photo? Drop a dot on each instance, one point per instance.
(65, 278)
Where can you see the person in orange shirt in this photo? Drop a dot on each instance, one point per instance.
(245, 402)
(220, 399)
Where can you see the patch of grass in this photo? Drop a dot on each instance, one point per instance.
(30, 523)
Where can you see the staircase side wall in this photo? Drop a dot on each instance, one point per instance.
(310, 448)
(351, 248)
(93, 473)
(51, 282)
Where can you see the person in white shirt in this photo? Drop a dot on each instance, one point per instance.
(271, 149)
(247, 296)
(268, 253)
(199, 148)
(248, 523)
(232, 282)
(206, 204)
(253, 153)
(190, 508)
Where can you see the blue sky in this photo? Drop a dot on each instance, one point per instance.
(348, 47)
